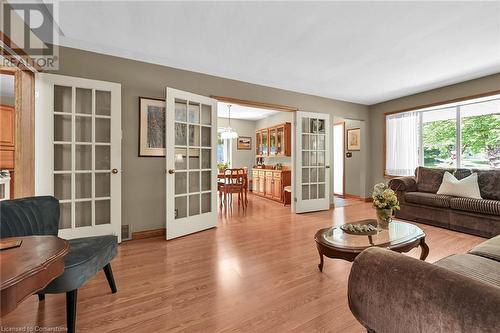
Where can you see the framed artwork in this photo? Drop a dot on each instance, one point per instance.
(354, 139)
(151, 127)
(244, 143)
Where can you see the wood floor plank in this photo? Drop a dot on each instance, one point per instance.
(256, 272)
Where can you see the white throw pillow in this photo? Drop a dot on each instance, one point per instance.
(467, 187)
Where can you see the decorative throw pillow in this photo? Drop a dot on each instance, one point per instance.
(466, 187)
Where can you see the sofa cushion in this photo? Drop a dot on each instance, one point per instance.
(476, 267)
(429, 179)
(466, 187)
(86, 257)
(428, 199)
(481, 206)
(489, 249)
(489, 183)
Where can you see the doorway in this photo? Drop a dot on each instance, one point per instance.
(338, 159)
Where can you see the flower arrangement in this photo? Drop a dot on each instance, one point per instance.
(384, 201)
(222, 166)
(384, 197)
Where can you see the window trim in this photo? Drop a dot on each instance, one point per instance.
(425, 106)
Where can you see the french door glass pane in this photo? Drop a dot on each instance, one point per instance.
(180, 182)
(194, 113)
(83, 157)
(62, 99)
(65, 215)
(83, 129)
(180, 134)
(102, 158)
(206, 157)
(206, 114)
(439, 138)
(83, 213)
(180, 161)
(62, 128)
(180, 111)
(206, 202)
(102, 184)
(102, 130)
(206, 183)
(194, 204)
(102, 103)
(305, 192)
(102, 212)
(62, 186)
(181, 207)
(194, 181)
(305, 175)
(83, 185)
(194, 158)
(83, 102)
(62, 157)
(206, 136)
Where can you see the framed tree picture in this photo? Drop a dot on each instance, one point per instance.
(244, 143)
(354, 139)
(151, 127)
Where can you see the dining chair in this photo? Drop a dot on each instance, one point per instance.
(234, 181)
(86, 256)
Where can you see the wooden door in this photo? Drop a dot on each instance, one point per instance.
(191, 182)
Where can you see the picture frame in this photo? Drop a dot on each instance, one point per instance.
(151, 127)
(353, 139)
(244, 143)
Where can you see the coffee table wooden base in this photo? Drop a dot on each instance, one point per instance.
(350, 254)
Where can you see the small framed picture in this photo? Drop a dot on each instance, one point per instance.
(244, 143)
(151, 127)
(354, 139)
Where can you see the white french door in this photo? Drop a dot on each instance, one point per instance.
(312, 162)
(191, 135)
(78, 152)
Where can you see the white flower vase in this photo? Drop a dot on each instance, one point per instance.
(384, 217)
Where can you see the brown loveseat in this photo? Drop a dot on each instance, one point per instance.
(420, 203)
(390, 292)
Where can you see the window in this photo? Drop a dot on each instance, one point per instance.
(224, 147)
(458, 135)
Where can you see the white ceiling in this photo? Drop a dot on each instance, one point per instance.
(242, 112)
(365, 52)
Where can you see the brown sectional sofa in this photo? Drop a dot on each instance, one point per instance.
(389, 292)
(420, 203)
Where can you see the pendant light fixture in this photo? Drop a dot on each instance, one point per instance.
(228, 132)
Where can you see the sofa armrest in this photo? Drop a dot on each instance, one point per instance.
(390, 292)
(404, 184)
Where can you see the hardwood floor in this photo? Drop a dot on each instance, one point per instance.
(256, 272)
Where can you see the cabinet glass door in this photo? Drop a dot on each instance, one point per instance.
(272, 141)
(280, 135)
(265, 147)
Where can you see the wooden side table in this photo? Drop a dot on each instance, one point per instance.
(29, 268)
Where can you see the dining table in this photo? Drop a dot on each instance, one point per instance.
(221, 176)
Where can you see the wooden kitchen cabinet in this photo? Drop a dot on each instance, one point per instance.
(274, 141)
(270, 183)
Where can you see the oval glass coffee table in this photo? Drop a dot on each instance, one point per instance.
(399, 236)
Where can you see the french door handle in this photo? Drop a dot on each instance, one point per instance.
(327, 167)
(171, 171)
(114, 171)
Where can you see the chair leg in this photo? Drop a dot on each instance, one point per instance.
(41, 297)
(71, 310)
(109, 276)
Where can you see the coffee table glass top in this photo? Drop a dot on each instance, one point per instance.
(398, 232)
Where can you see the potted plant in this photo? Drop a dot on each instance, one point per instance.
(222, 166)
(385, 202)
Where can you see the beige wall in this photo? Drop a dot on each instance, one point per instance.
(143, 185)
(464, 89)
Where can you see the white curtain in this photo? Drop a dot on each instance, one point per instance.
(401, 144)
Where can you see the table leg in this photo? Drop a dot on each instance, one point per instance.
(321, 262)
(425, 249)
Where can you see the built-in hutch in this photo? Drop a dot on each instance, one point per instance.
(274, 141)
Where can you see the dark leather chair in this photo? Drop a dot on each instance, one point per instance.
(86, 257)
